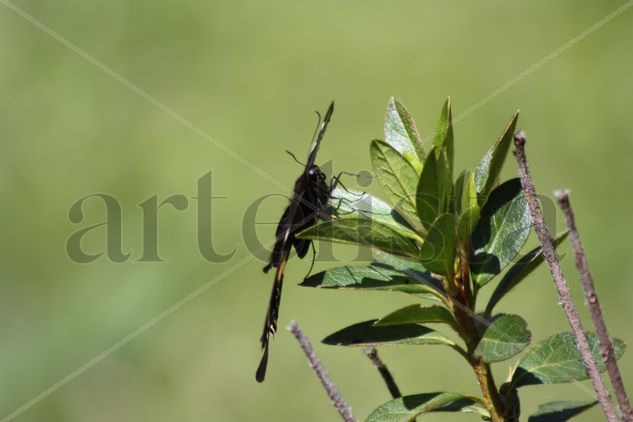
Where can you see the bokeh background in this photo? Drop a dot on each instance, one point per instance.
(250, 74)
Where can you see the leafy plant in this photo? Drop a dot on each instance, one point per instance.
(442, 240)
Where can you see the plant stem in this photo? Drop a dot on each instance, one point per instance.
(606, 346)
(465, 319)
(330, 388)
(463, 307)
(559, 280)
(489, 389)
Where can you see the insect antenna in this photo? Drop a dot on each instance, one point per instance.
(295, 158)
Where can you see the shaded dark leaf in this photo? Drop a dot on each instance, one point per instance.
(367, 334)
(560, 411)
(502, 230)
(518, 272)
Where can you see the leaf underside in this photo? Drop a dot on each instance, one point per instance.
(407, 408)
(560, 411)
(557, 360)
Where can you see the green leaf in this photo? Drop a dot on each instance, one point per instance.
(466, 225)
(373, 278)
(438, 250)
(434, 187)
(505, 337)
(557, 360)
(398, 178)
(400, 130)
(411, 269)
(518, 272)
(360, 204)
(416, 314)
(444, 134)
(560, 411)
(407, 408)
(490, 166)
(398, 263)
(367, 334)
(360, 230)
(502, 230)
(465, 192)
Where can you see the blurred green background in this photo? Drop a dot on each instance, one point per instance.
(250, 74)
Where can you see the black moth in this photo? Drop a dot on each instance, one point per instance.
(308, 203)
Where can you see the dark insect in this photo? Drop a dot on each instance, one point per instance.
(309, 202)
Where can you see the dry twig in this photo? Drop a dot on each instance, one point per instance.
(606, 345)
(559, 280)
(330, 388)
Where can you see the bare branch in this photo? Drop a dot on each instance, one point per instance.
(606, 346)
(559, 280)
(372, 354)
(330, 388)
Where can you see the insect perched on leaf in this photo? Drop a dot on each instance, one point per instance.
(308, 203)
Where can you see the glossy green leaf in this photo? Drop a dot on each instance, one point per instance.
(398, 263)
(505, 337)
(417, 314)
(444, 134)
(465, 192)
(360, 204)
(360, 230)
(560, 411)
(367, 334)
(400, 130)
(407, 408)
(557, 360)
(490, 166)
(373, 278)
(466, 225)
(434, 187)
(438, 250)
(502, 230)
(518, 272)
(398, 179)
(409, 268)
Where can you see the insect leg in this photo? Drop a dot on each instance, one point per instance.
(314, 254)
